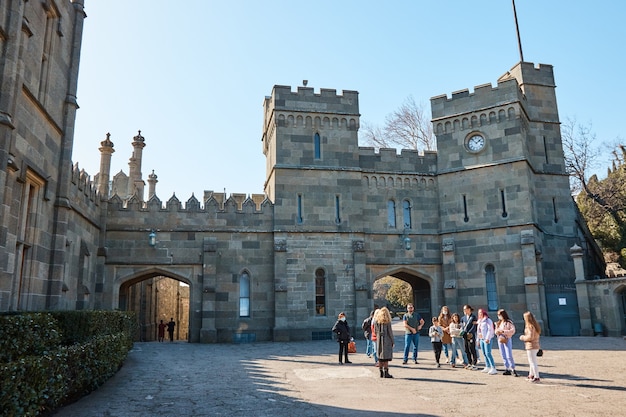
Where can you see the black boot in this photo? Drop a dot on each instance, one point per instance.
(515, 373)
(387, 374)
(382, 373)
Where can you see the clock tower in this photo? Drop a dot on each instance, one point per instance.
(503, 189)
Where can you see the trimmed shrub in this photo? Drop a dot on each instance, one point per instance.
(61, 357)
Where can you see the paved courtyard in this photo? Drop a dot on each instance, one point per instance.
(581, 376)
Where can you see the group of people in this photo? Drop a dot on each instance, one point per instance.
(170, 329)
(379, 334)
(449, 334)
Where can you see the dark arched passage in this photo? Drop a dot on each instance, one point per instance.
(155, 297)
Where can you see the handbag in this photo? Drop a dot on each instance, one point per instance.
(352, 347)
(502, 339)
(540, 352)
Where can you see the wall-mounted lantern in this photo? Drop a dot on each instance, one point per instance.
(152, 238)
(406, 241)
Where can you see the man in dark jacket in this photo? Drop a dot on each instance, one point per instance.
(469, 335)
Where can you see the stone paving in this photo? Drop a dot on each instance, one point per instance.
(581, 376)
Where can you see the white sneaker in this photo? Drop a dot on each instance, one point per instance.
(485, 370)
(493, 371)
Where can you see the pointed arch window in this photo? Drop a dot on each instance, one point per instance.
(391, 214)
(244, 295)
(320, 292)
(317, 145)
(406, 214)
(492, 289)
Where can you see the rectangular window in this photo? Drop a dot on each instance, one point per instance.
(492, 288)
(337, 210)
(391, 214)
(244, 295)
(27, 237)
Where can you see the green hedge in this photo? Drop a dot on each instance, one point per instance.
(55, 358)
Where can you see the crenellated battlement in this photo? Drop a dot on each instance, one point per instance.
(213, 203)
(483, 98)
(304, 99)
(528, 73)
(388, 160)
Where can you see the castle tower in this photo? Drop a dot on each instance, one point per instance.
(315, 134)
(135, 178)
(504, 192)
(106, 151)
(313, 177)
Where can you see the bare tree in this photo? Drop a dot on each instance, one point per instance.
(580, 154)
(407, 128)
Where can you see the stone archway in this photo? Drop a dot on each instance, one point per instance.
(423, 294)
(156, 295)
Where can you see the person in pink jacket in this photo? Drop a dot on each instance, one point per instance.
(485, 336)
(505, 329)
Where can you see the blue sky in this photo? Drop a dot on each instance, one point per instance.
(192, 75)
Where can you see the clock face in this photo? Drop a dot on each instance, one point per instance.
(475, 143)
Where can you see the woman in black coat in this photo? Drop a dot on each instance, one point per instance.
(343, 336)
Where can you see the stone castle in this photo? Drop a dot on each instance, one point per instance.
(487, 219)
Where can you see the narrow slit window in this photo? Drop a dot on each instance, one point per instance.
(320, 292)
(337, 210)
(492, 289)
(466, 217)
(503, 200)
(317, 145)
(556, 216)
(299, 219)
(244, 295)
(391, 214)
(406, 214)
(545, 149)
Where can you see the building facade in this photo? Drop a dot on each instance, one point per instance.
(487, 219)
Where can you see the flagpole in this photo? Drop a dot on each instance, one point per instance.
(519, 39)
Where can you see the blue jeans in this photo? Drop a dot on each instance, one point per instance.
(458, 343)
(486, 348)
(408, 340)
(506, 350)
(369, 349)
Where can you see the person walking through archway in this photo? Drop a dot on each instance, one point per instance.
(170, 328)
(162, 327)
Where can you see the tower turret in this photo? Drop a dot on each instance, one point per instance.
(152, 181)
(135, 180)
(106, 150)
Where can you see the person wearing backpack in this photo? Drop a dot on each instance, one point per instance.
(367, 332)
